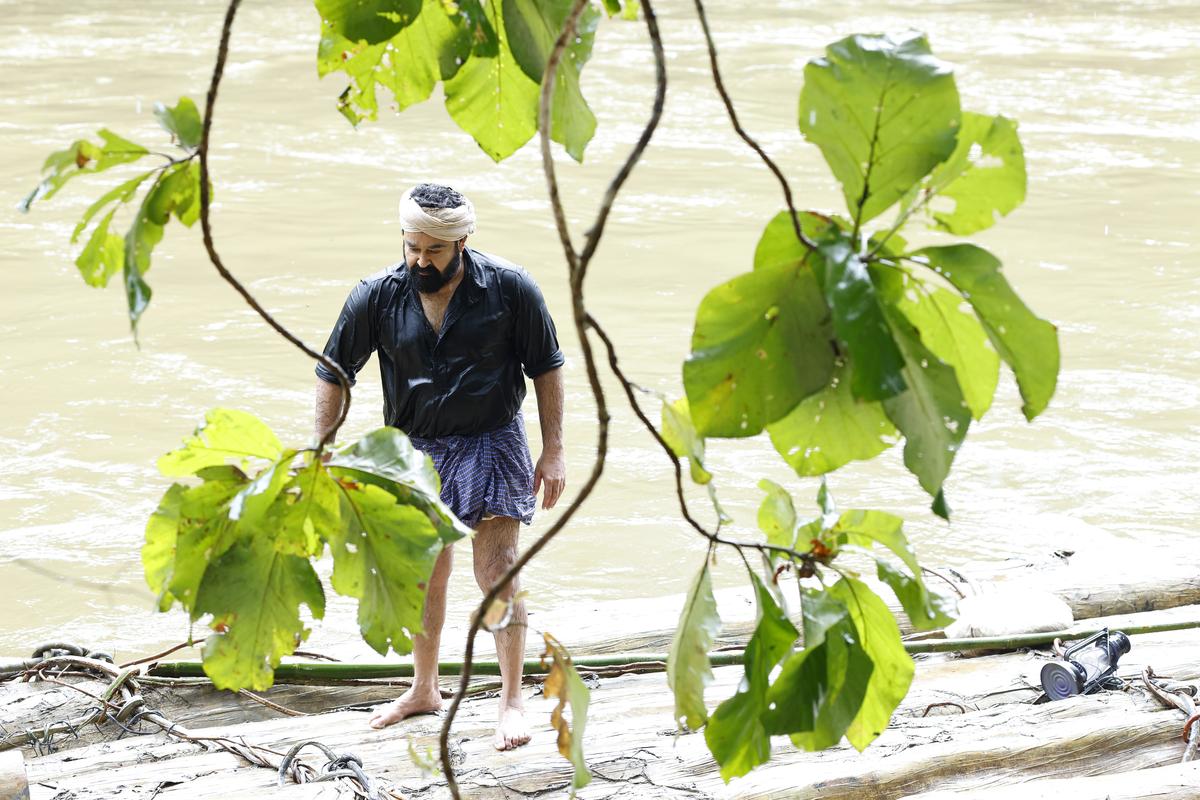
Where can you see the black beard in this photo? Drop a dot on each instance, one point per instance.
(429, 280)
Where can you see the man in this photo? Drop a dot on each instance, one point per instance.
(454, 328)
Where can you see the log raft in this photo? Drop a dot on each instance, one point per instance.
(967, 728)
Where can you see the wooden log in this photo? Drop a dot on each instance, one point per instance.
(1172, 782)
(14, 785)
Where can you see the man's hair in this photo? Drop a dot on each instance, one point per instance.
(436, 195)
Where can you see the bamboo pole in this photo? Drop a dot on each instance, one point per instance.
(649, 662)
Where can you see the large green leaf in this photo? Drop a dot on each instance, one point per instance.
(226, 435)
(492, 98)
(409, 65)
(564, 684)
(884, 112)
(306, 510)
(158, 553)
(103, 255)
(952, 334)
(831, 428)
(877, 365)
(383, 554)
(761, 344)
(926, 610)
(893, 667)
(777, 515)
(868, 528)
(680, 434)
(386, 458)
(183, 121)
(735, 733)
(531, 28)
(372, 21)
(122, 193)
(778, 244)
(819, 690)
(985, 176)
(1029, 345)
(249, 507)
(82, 157)
(204, 533)
(932, 414)
(254, 594)
(688, 668)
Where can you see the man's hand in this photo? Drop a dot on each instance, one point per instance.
(551, 470)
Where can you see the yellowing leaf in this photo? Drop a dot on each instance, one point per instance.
(564, 683)
(688, 668)
(226, 435)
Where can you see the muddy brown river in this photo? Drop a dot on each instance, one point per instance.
(1105, 246)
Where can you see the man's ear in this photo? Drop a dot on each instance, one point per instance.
(462, 244)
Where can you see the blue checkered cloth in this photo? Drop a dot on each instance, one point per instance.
(488, 475)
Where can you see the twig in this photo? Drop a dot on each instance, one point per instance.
(944, 704)
(577, 267)
(206, 226)
(157, 656)
(737, 126)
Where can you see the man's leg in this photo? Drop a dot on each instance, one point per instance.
(495, 548)
(423, 696)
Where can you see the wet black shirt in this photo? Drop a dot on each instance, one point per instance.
(467, 380)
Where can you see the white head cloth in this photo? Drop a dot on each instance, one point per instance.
(447, 224)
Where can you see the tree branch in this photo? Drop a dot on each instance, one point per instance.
(206, 227)
(737, 126)
(577, 267)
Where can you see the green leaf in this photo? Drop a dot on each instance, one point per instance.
(372, 21)
(383, 555)
(884, 112)
(249, 507)
(688, 668)
(893, 667)
(492, 99)
(1029, 345)
(386, 458)
(825, 499)
(103, 254)
(932, 414)
(531, 28)
(985, 175)
(428, 51)
(226, 435)
(305, 511)
(867, 528)
(158, 553)
(254, 594)
(877, 365)
(80, 158)
(204, 533)
(951, 334)
(680, 435)
(777, 515)
(124, 193)
(735, 733)
(183, 122)
(563, 682)
(820, 689)
(778, 244)
(926, 610)
(831, 428)
(761, 344)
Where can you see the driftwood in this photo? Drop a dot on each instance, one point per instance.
(13, 783)
(991, 737)
(1174, 782)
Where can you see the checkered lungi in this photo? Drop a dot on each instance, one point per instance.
(484, 476)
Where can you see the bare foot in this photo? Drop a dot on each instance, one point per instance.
(406, 705)
(512, 730)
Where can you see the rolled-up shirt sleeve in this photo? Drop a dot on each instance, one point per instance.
(353, 337)
(536, 338)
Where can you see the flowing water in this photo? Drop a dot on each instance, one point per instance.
(1104, 246)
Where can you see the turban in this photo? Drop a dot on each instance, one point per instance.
(448, 224)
